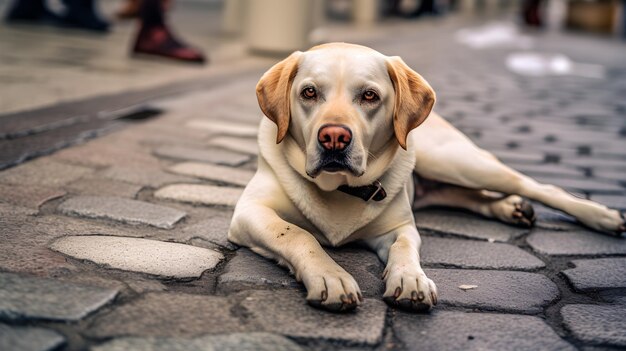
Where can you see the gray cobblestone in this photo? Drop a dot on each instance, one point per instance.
(44, 172)
(597, 274)
(123, 210)
(29, 196)
(36, 298)
(598, 325)
(443, 330)
(286, 312)
(169, 315)
(496, 290)
(168, 260)
(465, 225)
(249, 270)
(213, 228)
(476, 254)
(29, 339)
(364, 266)
(560, 243)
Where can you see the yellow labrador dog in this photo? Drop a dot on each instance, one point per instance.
(337, 164)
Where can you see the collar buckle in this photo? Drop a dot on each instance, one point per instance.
(378, 186)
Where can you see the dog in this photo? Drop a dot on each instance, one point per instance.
(339, 150)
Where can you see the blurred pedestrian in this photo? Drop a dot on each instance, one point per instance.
(155, 37)
(532, 13)
(81, 14)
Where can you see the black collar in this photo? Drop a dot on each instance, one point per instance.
(374, 191)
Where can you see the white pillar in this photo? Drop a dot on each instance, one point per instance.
(365, 12)
(233, 17)
(278, 26)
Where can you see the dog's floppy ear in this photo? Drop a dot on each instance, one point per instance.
(273, 90)
(414, 98)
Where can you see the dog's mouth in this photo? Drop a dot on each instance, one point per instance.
(334, 163)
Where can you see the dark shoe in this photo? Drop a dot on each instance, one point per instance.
(159, 41)
(82, 14)
(31, 11)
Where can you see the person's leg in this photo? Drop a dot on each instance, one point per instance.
(83, 14)
(155, 38)
(29, 10)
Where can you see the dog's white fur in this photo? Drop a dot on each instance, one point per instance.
(288, 211)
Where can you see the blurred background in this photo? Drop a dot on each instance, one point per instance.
(45, 60)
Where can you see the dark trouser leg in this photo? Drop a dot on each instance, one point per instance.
(83, 14)
(28, 10)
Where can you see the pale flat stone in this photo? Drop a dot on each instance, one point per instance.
(200, 194)
(24, 297)
(29, 338)
(245, 145)
(99, 186)
(211, 155)
(140, 255)
(123, 210)
(144, 176)
(213, 172)
(226, 128)
(225, 342)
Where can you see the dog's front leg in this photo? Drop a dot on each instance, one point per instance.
(407, 286)
(328, 285)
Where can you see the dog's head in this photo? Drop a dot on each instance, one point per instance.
(344, 104)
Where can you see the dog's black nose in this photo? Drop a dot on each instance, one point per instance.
(334, 137)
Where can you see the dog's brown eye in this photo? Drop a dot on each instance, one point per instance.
(370, 96)
(309, 93)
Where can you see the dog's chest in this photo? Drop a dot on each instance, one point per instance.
(336, 215)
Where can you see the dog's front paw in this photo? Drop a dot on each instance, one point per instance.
(409, 289)
(334, 290)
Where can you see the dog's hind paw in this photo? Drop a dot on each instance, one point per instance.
(514, 210)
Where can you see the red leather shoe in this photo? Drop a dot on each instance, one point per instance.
(159, 41)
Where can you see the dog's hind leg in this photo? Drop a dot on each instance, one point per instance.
(510, 209)
(446, 155)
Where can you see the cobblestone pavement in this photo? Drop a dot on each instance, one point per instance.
(120, 243)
